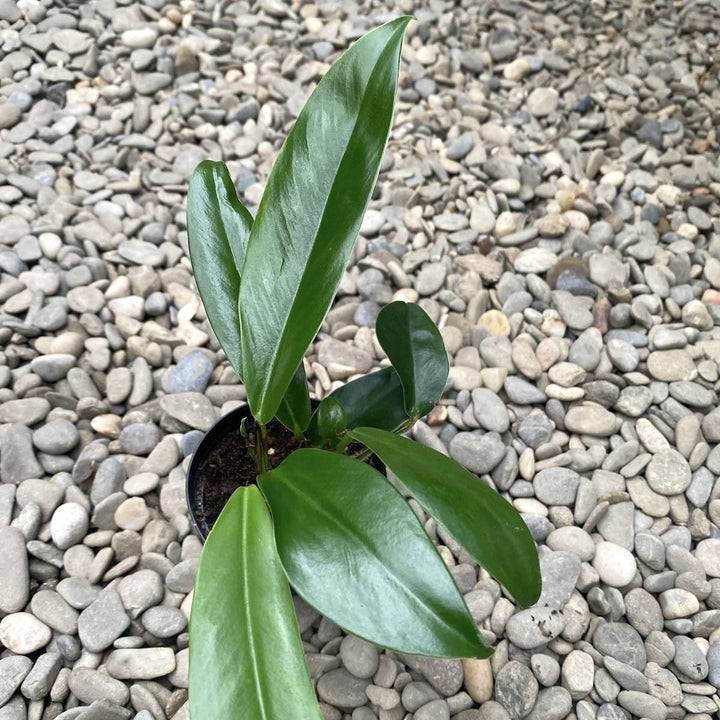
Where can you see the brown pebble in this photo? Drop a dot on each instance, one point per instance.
(601, 314)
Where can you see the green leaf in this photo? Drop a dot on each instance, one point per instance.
(375, 400)
(477, 517)
(327, 422)
(353, 548)
(246, 656)
(416, 349)
(218, 232)
(311, 212)
(294, 409)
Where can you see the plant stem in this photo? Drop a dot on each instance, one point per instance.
(261, 448)
(345, 440)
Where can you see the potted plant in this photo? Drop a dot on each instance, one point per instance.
(322, 521)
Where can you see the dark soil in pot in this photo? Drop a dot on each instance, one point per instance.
(221, 464)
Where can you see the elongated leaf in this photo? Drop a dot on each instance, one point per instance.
(294, 409)
(416, 349)
(327, 422)
(311, 212)
(353, 548)
(375, 400)
(246, 656)
(482, 521)
(218, 232)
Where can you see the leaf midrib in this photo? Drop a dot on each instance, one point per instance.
(256, 673)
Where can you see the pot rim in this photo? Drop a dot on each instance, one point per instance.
(222, 425)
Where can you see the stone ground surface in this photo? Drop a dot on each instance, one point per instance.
(551, 196)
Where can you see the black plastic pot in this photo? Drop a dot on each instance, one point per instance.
(194, 489)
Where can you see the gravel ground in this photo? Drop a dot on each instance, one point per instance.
(551, 196)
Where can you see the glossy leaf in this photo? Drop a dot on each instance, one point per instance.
(246, 655)
(477, 517)
(311, 211)
(375, 400)
(416, 349)
(218, 232)
(294, 411)
(327, 422)
(353, 548)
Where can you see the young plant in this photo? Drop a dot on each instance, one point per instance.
(324, 522)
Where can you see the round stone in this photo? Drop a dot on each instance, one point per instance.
(140, 663)
(543, 101)
(643, 611)
(578, 674)
(56, 437)
(163, 621)
(132, 514)
(668, 472)
(69, 525)
(478, 452)
(621, 642)
(671, 365)
(342, 689)
(191, 374)
(139, 438)
(516, 689)
(590, 419)
(52, 609)
(359, 657)
(534, 628)
(708, 553)
(678, 603)
(23, 634)
(572, 539)
(556, 486)
(478, 679)
(615, 565)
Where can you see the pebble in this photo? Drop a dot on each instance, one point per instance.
(90, 685)
(478, 679)
(621, 642)
(642, 704)
(543, 101)
(69, 525)
(590, 419)
(534, 628)
(17, 456)
(163, 621)
(103, 621)
(359, 657)
(479, 453)
(668, 473)
(140, 663)
(52, 609)
(708, 553)
(556, 486)
(578, 674)
(15, 588)
(13, 670)
(23, 634)
(552, 704)
(191, 374)
(516, 689)
(140, 590)
(341, 689)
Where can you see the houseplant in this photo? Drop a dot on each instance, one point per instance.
(323, 521)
